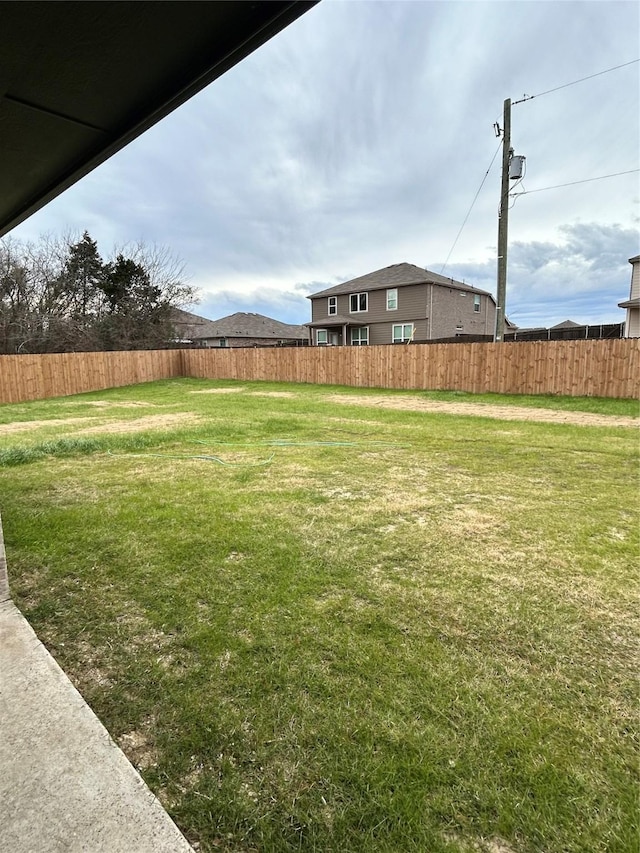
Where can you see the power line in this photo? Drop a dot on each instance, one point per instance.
(573, 183)
(475, 198)
(573, 83)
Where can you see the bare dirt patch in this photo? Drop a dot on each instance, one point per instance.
(272, 394)
(110, 404)
(6, 429)
(218, 391)
(138, 745)
(484, 410)
(484, 845)
(140, 424)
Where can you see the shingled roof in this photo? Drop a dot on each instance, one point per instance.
(240, 325)
(567, 324)
(396, 275)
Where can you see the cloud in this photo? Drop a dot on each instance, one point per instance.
(581, 275)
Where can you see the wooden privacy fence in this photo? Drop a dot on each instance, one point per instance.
(598, 368)
(34, 377)
(602, 368)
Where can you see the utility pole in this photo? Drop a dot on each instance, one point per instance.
(503, 223)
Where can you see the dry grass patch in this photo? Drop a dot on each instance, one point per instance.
(274, 394)
(234, 390)
(58, 423)
(468, 521)
(486, 410)
(142, 424)
(69, 492)
(139, 746)
(111, 404)
(94, 672)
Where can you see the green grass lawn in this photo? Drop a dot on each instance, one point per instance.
(320, 625)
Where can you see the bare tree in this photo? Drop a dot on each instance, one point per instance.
(59, 295)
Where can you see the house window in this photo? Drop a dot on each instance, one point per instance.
(223, 342)
(322, 337)
(333, 305)
(402, 333)
(360, 336)
(358, 302)
(476, 303)
(392, 299)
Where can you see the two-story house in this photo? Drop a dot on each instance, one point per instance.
(399, 304)
(632, 304)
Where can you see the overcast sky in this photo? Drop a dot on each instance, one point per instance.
(358, 137)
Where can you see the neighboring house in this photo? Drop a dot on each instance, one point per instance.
(632, 325)
(399, 304)
(236, 330)
(567, 324)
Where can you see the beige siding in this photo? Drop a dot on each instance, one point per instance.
(319, 310)
(632, 327)
(412, 305)
(452, 308)
(635, 280)
(382, 333)
(632, 321)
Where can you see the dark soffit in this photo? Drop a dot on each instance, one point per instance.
(80, 80)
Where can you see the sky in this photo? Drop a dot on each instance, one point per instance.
(358, 137)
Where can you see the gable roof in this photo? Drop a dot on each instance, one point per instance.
(567, 324)
(238, 325)
(396, 275)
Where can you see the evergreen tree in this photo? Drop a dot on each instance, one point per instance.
(82, 276)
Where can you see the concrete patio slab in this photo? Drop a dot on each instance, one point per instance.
(64, 784)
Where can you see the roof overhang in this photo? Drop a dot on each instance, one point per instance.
(630, 303)
(79, 81)
(336, 320)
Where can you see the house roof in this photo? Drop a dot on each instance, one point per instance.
(567, 324)
(630, 303)
(396, 275)
(634, 259)
(336, 320)
(238, 325)
(79, 81)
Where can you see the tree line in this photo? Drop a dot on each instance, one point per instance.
(58, 295)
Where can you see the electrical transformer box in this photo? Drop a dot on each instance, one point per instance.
(516, 168)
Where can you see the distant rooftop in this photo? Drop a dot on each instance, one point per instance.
(238, 325)
(567, 324)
